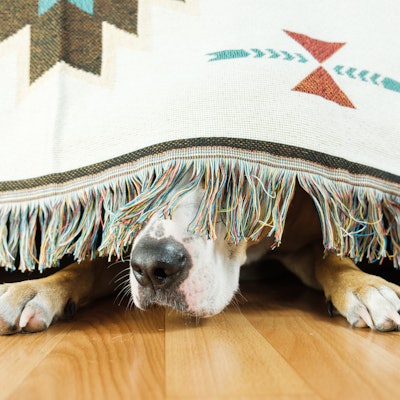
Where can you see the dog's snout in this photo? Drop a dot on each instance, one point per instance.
(159, 263)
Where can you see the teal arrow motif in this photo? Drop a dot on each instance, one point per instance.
(228, 54)
(350, 72)
(302, 59)
(363, 75)
(274, 54)
(387, 83)
(338, 69)
(391, 84)
(374, 78)
(288, 56)
(258, 52)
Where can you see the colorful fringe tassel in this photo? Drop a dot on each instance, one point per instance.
(251, 198)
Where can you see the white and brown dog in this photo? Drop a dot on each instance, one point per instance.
(198, 276)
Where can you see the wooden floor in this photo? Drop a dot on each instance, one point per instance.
(279, 343)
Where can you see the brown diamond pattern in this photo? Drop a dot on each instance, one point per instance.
(66, 32)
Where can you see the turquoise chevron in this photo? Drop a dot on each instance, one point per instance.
(374, 79)
(363, 75)
(367, 76)
(350, 72)
(256, 53)
(84, 5)
(273, 53)
(287, 56)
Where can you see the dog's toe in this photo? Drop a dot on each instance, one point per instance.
(375, 307)
(7, 328)
(27, 307)
(34, 318)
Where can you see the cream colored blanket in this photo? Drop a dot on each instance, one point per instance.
(105, 106)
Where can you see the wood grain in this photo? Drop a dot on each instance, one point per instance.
(277, 344)
(225, 356)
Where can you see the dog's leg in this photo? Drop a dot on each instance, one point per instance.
(365, 300)
(31, 306)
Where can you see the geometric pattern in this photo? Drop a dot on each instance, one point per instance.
(66, 30)
(319, 49)
(320, 82)
(257, 53)
(84, 5)
(365, 75)
(71, 31)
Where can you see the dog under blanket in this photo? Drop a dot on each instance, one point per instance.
(107, 108)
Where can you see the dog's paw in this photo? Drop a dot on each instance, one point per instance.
(30, 307)
(371, 302)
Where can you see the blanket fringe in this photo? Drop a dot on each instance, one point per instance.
(251, 198)
(356, 222)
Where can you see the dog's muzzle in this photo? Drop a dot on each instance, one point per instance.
(160, 264)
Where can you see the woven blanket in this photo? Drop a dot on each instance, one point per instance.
(108, 106)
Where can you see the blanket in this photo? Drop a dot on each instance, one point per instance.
(107, 106)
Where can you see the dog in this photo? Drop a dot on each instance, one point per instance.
(172, 267)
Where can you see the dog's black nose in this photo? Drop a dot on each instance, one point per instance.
(159, 263)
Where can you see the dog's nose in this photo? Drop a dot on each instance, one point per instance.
(159, 263)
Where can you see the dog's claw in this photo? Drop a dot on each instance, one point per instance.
(70, 309)
(330, 308)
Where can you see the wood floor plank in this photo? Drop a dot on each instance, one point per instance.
(334, 359)
(225, 357)
(21, 354)
(386, 340)
(111, 355)
(279, 344)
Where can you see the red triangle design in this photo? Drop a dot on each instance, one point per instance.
(319, 82)
(319, 49)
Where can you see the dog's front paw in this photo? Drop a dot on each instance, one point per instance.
(375, 304)
(29, 307)
(364, 299)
